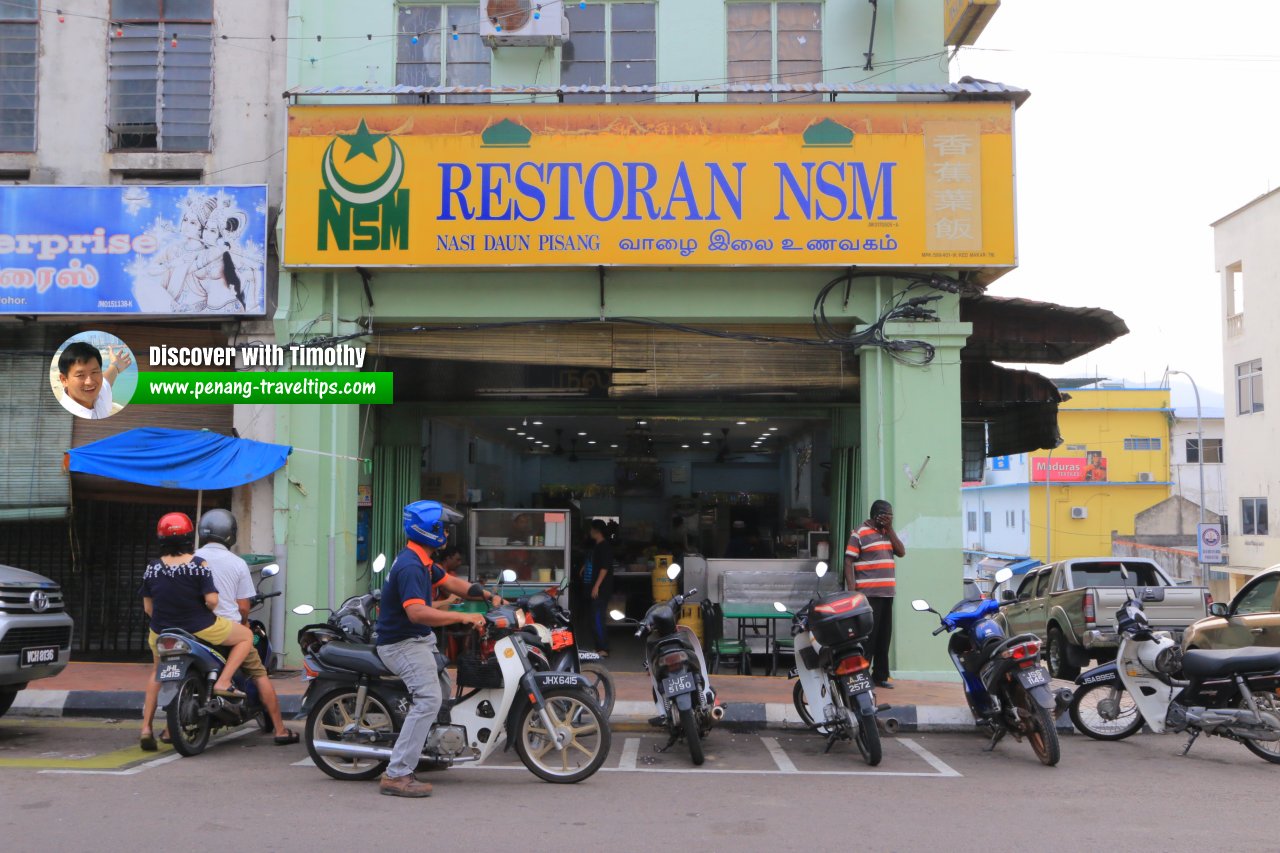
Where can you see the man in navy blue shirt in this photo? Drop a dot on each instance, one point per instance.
(406, 642)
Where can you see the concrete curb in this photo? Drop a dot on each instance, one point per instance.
(739, 716)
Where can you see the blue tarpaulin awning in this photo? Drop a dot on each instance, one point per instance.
(178, 459)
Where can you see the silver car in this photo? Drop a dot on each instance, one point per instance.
(35, 631)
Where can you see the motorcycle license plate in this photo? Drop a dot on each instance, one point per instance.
(859, 683)
(1033, 676)
(677, 684)
(38, 656)
(169, 672)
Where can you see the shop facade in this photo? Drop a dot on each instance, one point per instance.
(739, 304)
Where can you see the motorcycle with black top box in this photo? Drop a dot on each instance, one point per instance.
(834, 695)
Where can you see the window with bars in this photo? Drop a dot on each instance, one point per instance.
(438, 58)
(1212, 450)
(19, 47)
(972, 519)
(1143, 443)
(1249, 387)
(610, 44)
(774, 42)
(160, 74)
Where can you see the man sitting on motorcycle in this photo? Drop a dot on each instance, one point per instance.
(406, 642)
(231, 576)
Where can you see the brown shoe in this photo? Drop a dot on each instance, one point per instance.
(403, 786)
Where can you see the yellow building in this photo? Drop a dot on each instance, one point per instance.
(1113, 463)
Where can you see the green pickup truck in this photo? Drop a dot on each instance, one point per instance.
(35, 631)
(1071, 605)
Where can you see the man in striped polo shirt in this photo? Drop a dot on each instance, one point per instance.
(868, 568)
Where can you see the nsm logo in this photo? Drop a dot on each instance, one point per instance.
(364, 209)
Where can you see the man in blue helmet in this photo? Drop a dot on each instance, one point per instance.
(406, 642)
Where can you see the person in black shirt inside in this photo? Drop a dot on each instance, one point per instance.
(597, 582)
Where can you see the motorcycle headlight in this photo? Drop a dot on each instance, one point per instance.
(1169, 660)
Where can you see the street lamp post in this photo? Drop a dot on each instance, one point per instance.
(1199, 454)
(1199, 437)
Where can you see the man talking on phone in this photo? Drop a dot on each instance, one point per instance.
(869, 568)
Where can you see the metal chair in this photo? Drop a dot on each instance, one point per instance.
(719, 647)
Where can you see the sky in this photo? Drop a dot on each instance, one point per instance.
(1147, 121)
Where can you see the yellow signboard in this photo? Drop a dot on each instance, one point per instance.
(880, 185)
(964, 20)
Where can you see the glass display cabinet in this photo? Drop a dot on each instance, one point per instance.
(534, 543)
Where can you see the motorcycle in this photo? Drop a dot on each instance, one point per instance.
(555, 630)
(1005, 684)
(355, 708)
(677, 670)
(353, 620)
(1226, 692)
(187, 669)
(830, 633)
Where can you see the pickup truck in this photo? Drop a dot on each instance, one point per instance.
(35, 631)
(1071, 605)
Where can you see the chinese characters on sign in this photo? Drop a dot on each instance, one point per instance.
(953, 187)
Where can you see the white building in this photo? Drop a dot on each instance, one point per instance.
(1184, 457)
(1247, 258)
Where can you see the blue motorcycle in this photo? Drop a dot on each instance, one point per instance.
(187, 670)
(1004, 682)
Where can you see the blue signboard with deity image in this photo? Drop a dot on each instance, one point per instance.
(147, 250)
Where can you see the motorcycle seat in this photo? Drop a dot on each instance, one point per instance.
(1215, 663)
(354, 657)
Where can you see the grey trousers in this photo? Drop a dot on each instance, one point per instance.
(415, 662)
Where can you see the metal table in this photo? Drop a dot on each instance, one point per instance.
(752, 612)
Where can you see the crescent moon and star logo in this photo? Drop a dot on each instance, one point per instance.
(363, 206)
(363, 143)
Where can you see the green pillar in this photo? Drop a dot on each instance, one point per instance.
(911, 458)
(315, 494)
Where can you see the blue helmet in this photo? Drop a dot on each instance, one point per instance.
(424, 522)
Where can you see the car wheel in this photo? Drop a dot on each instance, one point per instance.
(1059, 655)
(6, 700)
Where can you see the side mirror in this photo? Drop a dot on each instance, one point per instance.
(617, 615)
(1124, 572)
(1218, 609)
(379, 563)
(508, 576)
(780, 607)
(1007, 595)
(1003, 575)
(821, 569)
(921, 605)
(304, 610)
(673, 571)
(270, 570)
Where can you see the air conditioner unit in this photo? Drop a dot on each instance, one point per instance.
(1079, 512)
(522, 23)
(1146, 477)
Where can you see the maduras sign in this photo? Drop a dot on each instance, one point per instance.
(656, 185)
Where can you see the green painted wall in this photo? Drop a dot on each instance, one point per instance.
(907, 414)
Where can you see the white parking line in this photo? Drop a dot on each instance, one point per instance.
(932, 760)
(779, 757)
(630, 751)
(155, 762)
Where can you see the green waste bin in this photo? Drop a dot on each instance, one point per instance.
(255, 560)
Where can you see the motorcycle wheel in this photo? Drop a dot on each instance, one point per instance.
(334, 714)
(264, 723)
(1042, 734)
(869, 740)
(689, 722)
(802, 706)
(601, 685)
(571, 710)
(1267, 750)
(1088, 719)
(188, 728)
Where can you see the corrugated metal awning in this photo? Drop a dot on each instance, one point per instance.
(966, 89)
